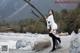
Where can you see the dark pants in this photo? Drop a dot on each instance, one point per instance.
(54, 39)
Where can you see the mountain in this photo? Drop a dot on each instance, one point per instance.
(15, 10)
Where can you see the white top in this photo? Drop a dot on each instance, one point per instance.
(51, 23)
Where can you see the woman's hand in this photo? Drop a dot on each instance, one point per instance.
(45, 17)
(49, 29)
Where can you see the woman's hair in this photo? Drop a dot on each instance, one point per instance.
(51, 11)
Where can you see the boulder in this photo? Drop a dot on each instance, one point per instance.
(79, 30)
(21, 43)
(4, 47)
(38, 43)
(75, 44)
(41, 43)
(63, 34)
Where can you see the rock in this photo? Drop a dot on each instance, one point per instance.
(41, 43)
(4, 47)
(63, 34)
(79, 30)
(75, 44)
(21, 43)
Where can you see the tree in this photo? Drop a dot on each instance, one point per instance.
(71, 19)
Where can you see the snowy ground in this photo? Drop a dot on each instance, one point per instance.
(11, 39)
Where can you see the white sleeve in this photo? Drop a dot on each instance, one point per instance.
(48, 23)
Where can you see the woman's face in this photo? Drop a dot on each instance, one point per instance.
(50, 12)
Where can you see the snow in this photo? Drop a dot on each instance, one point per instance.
(11, 38)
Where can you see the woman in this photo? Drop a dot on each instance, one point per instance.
(52, 27)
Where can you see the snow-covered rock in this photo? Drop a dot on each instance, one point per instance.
(21, 43)
(35, 42)
(41, 42)
(75, 43)
(4, 47)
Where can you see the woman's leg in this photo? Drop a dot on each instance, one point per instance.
(58, 39)
(54, 32)
(54, 43)
(53, 39)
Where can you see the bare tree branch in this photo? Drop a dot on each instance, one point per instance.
(28, 1)
(35, 14)
(34, 7)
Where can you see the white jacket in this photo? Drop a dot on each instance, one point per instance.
(51, 23)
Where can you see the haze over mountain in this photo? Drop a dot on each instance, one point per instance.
(11, 10)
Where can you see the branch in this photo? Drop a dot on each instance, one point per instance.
(35, 14)
(27, 1)
(34, 8)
